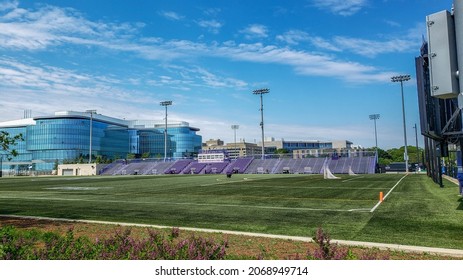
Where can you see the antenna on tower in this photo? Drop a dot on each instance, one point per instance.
(27, 114)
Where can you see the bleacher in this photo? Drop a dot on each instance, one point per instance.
(337, 165)
(262, 166)
(239, 165)
(216, 167)
(194, 168)
(178, 166)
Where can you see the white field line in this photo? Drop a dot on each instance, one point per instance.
(189, 203)
(351, 179)
(286, 187)
(379, 202)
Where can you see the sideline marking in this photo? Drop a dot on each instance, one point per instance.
(384, 198)
(189, 203)
(351, 179)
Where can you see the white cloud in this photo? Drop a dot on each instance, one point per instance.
(324, 44)
(213, 12)
(371, 48)
(8, 5)
(56, 81)
(293, 37)
(255, 31)
(392, 23)
(341, 7)
(171, 15)
(305, 63)
(34, 30)
(408, 42)
(212, 25)
(50, 26)
(195, 76)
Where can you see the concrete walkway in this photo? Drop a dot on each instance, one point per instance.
(382, 246)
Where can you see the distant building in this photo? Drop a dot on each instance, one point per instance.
(296, 149)
(300, 149)
(65, 137)
(234, 150)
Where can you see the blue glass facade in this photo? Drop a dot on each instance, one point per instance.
(66, 137)
(184, 141)
(152, 142)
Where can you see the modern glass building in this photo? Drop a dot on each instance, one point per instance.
(72, 136)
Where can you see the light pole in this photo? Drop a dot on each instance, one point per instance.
(235, 127)
(417, 151)
(91, 135)
(261, 92)
(375, 117)
(401, 79)
(165, 104)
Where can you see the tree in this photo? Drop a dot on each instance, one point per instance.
(282, 151)
(7, 142)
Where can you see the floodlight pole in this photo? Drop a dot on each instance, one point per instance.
(91, 135)
(416, 138)
(261, 92)
(401, 79)
(165, 104)
(235, 127)
(375, 117)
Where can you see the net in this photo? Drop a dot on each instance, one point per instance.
(351, 173)
(327, 173)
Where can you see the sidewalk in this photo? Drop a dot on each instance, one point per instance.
(381, 246)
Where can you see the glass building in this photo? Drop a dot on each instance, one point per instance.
(67, 137)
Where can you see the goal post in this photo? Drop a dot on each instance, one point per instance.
(327, 173)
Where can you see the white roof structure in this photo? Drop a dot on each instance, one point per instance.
(18, 123)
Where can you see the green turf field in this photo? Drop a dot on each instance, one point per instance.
(416, 212)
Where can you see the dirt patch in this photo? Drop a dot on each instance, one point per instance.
(239, 246)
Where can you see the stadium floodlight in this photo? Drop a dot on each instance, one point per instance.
(235, 127)
(375, 117)
(261, 92)
(91, 135)
(165, 104)
(401, 79)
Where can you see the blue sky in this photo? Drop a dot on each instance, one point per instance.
(327, 63)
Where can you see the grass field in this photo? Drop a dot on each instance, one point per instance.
(416, 212)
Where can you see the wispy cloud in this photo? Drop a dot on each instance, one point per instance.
(54, 80)
(196, 76)
(170, 15)
(293, 37)
(324, 44)
(255, 31)
(213, 12)
(8, 5)
(340, 7)
(392, 23)
(33, 30)
(409, 41)
(63, 89)
(371, 48)
(49, 26)
(212, 26)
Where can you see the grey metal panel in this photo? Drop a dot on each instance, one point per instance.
(458, 6)
(442, 55)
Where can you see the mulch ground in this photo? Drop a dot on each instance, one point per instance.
(240, 247)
